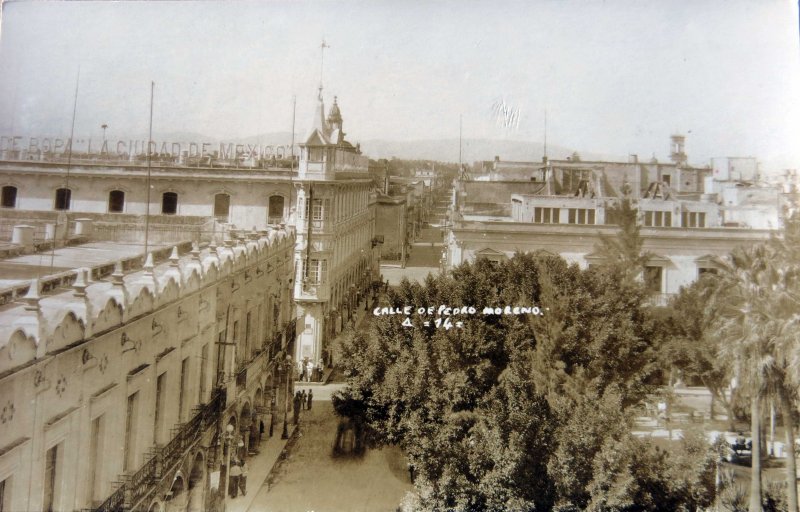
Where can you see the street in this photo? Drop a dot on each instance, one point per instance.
(313, 479)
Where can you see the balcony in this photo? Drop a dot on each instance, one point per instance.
(659, 299)
(309, 289)
(141, 484)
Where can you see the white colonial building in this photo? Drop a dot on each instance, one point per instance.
(117, 388)
(336, 259)
(688, 215)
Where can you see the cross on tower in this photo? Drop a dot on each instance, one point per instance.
(321, 62)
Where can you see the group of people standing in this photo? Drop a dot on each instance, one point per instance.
(302, 400)
(310, 372)
(237, 478)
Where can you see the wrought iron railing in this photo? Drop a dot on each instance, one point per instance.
(139, 485)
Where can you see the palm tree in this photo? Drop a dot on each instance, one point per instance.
(746, 282)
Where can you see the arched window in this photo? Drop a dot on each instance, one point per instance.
(222, 206)
(275, 210)
(9, 197)
(116, 201)
(63, 199)
(169, 203)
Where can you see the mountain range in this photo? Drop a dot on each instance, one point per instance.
(442, 150)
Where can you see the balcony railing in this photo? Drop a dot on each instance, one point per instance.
(141, 484)
(659, 299)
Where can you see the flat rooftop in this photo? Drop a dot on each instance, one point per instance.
(21, 269)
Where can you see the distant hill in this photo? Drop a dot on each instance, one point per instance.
(446, 150)
(442, 150)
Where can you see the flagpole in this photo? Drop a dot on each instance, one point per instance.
(460, 119)
(68, 198)
(291, 172)
(545, 133)
(147, 204)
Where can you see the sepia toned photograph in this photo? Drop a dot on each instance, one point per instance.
(399, 256)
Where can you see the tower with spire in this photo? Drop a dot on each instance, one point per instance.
(334, 273)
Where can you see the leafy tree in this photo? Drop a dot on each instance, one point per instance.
(509, 412)
(692, 345)
(625, 249)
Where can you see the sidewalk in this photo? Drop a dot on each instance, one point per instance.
(361, 317)
(261, 465)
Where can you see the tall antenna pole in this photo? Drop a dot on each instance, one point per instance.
(291, 173)
(460, 118)
(68, 196)
(147, 204)
(545, 133)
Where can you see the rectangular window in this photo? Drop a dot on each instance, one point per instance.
(95, 454)
(203, 373)
(545, 215)
(580, 216)
(63, 199)
(169, 203)
(693, 219)
(658, 219)
(318, 271)
(183, 390)
(652, 278)
(131, 417)
(158, 428)
(5, 495)
(317, 210)
(9, 201)
(247, 346)
(315, 155)
(116, 201)
(51, 478)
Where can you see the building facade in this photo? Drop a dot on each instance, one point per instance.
(336, 256)
(115, 194)
(117, 391)
(687, 216)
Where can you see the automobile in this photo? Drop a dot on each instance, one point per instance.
(737, 444)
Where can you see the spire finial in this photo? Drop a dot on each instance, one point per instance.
(321, 62)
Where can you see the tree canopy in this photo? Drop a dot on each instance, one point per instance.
(520, 412)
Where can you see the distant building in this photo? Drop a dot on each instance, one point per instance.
(564, 207)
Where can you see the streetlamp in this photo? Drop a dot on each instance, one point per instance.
(272, 412)
(285, 434)
(229, 436)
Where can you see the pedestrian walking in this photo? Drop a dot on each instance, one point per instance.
(303, 400)
(309, 370)
(320, 370)
(296, 405)
(309, 398)
(235, 474)
(243, 479)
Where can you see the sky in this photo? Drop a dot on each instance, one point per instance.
(614, 77)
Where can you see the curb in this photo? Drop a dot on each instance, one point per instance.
(281, 458)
